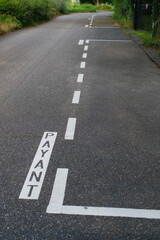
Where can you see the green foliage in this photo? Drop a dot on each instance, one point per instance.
(29, 12)
(148, 41)
(107, 7)
(61, 6)
(83, 8)
(8, 24)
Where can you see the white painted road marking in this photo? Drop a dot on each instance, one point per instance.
(87, 41)
(76, 97)
(86, 26)
(80, 78)
(103, 40)
(86, 48)
(83, 65)
(84, 55)
(34, 180)
(110, 212)
(70, 130)
(80, 42)
(104, 27)
(56, 204)
(58, 191)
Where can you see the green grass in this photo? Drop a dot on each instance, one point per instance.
(83, 8)
(106, 7)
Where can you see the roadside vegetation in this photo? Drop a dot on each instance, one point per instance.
(83, 8)
(124, 14)
(15, 14)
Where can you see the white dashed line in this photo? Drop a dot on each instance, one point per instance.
(84, 55)
(34, 180)
(80, 78)
(86, 48)
(83, 65)
(70, 130)
(58, 191)
(80, 42)
(86, 26)
(76, 97)
(87, 41)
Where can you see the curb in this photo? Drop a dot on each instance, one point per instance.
(150, 52)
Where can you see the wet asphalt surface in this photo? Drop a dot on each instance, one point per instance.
(114, 159)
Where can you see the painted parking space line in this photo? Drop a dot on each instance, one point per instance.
(80, 42)
(86, 48)
(104, 27)
(58, 191)
(80, 77)
(34, 180)
(104, 40)
(83, 65)
(70, 130)
(84, 55)
(76, 97)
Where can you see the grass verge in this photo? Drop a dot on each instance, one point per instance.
(83, 8)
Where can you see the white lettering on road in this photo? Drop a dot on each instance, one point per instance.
(34, 180)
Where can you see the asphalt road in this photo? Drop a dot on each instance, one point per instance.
(107, 155)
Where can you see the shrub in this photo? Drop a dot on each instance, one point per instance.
(8, 24)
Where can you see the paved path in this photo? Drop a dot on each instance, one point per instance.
(80, 133)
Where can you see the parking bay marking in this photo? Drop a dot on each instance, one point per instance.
(34, 180)
(57, 197)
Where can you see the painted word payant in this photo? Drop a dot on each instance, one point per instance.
(33, 183)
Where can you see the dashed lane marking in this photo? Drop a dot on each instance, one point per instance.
(70, 130)
(76, 97)
(80, 42)
(87, 41)
(58, 193)
(34, 180)
(83, 65)
(86, 26)
(84, 55)
(80, 77)
(86, 48)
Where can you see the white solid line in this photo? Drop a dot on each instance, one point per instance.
(58, 191)
(80, 42)
(86, 26)
(87, 41)
(70, 130)
(84, 55)
(111, 212)
(80, 78)
(76, 97)
(34, 180)
(86, 48)
(105, 27)
(83, 65)
(103, 40)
